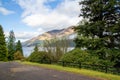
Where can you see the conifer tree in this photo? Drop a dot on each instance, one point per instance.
(3, 48)
(11, 45)
(19, 47)
(36, 50)
(101, 30)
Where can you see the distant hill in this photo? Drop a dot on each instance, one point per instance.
(67, 32)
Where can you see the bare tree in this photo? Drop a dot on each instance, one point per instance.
(56, 47)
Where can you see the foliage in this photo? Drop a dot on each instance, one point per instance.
(100, 31)
(18, 56)
(110, 57)
(3, 48)
(11, 45)
(56, 47)
(76, 56)
(38, 56)
(88, 57)
(36, 50)
(19, 47)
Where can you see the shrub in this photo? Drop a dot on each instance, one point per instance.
(18, 56)
(38, 56)
(76, 56)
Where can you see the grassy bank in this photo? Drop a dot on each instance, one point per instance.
(90, 73)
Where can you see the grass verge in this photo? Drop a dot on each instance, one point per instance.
(90, 73)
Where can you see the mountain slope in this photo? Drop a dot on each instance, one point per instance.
(68, 32)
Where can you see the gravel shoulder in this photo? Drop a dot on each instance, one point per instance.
(16, 71)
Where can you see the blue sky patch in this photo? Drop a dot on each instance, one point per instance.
(53, 4)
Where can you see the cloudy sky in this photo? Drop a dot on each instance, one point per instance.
(29, 18)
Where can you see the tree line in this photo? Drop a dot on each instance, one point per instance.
(9, 49)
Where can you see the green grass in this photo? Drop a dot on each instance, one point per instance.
(90, 73)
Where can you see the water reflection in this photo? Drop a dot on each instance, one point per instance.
(28, 50)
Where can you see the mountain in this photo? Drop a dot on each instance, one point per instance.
(67, 32)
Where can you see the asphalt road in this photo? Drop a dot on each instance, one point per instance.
(16, 71)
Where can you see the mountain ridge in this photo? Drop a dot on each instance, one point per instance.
(66, 32)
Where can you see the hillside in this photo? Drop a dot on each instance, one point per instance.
(67, 32)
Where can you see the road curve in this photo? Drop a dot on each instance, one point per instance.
(16, 71)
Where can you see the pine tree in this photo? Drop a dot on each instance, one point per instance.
(3, 48)
(36, 50)
(33, 56)
(11, 45)
(19, 47)
(101, 30)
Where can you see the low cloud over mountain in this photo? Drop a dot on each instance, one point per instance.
(67, 32)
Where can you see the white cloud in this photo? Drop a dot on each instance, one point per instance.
(31, 7)
(44, 18)
(23, 36)
(52, 20)
(4, 11)
(37, 14)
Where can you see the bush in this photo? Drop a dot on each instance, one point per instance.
(76, 56)
(109, 57)
(39, 56)
(18, 56)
